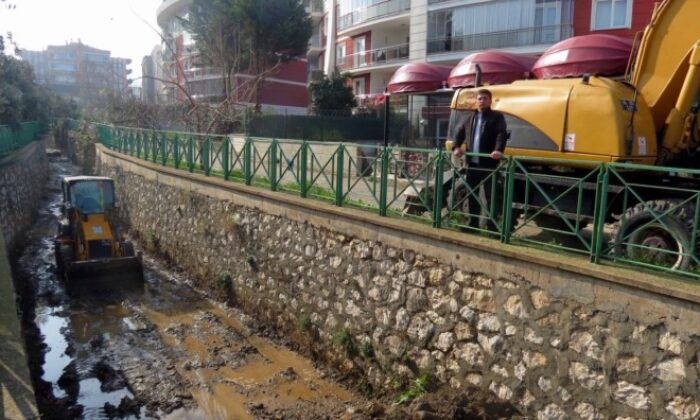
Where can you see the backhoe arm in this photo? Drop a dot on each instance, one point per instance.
(679, 123)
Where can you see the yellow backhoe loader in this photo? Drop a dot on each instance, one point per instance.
(649, 118)
(90, 252)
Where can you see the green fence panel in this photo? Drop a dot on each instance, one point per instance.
(611, 213)
(658, 227)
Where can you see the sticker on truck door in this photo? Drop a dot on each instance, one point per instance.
(641, 145)
(569, 142)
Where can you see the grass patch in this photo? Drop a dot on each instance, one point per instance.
(418, 387)
(346, 341)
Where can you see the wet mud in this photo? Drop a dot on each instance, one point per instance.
(165, 351)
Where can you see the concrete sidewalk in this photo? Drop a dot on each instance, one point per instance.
(16, 393)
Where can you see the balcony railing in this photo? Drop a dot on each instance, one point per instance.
(376, 11)
(515, 38)
(375, 57)
(202, 73)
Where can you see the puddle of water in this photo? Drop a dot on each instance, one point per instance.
(93, 399)
(106, 323)
(56, 359)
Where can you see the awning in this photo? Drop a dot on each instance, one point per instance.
(497, 67)
(418, 77)
(596, 54)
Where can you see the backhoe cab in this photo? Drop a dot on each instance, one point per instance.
(90, 251)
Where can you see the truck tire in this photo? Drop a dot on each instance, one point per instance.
(63, 230)
(127, 249)
(551, 221)
(639, 233)
(64, 257)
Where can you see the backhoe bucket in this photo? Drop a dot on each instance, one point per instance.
(105, 274)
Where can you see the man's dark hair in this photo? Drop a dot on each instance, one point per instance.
(484, 92)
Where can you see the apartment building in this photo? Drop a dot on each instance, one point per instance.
(371, 39)
(80, 72)
(286, 91)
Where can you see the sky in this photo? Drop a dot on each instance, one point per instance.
(114, 25)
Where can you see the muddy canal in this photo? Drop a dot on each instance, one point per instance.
(162, 351)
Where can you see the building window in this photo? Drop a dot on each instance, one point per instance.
(611, 14)
(340, 54)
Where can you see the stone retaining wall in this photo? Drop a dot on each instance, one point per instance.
(23, 177)
(393, 299)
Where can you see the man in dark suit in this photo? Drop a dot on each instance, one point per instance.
(483, 132)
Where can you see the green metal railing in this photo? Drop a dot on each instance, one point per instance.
(15, 139)
(433, 187)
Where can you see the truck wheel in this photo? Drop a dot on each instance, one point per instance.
(65, 256)
(127, 249)
(642, 237)
(551, 221)
(458, 203)
(63, 229)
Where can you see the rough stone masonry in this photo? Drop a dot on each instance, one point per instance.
(23, 177)
(556, 344)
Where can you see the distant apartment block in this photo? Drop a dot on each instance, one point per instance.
(152, 77)
(80, 72)
(285, 91)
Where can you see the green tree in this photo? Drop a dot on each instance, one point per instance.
(217, 29)
(332, 95)
(253, 36)
(277, 31)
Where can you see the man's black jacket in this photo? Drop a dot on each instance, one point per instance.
(493, 134)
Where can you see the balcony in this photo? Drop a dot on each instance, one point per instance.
(316, 42)
(202, 73)
(377, 11)
(375, 57)
(514, 38)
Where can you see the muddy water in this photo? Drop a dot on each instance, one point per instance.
(161, 351)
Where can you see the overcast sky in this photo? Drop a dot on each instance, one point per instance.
(114, 25)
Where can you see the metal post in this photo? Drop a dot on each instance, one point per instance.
(226, 156)
(386, 120)
(508, 201)
(340, 157)
(205, 156)
(248, 160)
(272, 166)
(163, 149)
(176, 151)
(303, 156)
(437, 199)
(384, 181)
(599, 212)
(190, 153)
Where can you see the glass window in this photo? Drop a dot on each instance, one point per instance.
(92, 196)
(522, 134)
(340, 54)
(609, 14)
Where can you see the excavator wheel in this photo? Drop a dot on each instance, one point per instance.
(127, 249)
(64, 256)
(662, 240)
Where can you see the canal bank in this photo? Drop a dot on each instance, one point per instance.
(16, 393)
